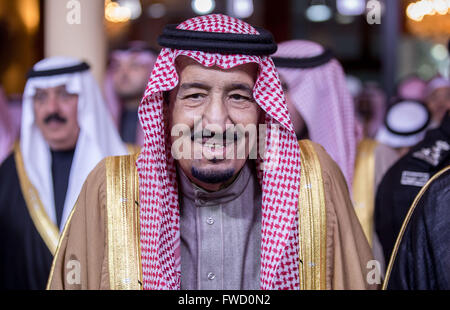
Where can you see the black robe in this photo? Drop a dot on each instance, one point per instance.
(397, 189)
(128, 125)
(423, 258)
(25, 259)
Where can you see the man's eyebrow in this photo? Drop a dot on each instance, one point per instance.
(186, 86)
(240, 86)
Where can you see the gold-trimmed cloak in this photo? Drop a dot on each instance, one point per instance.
(333, 249)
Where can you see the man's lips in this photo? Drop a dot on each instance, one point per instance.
(225, 138)
(217, 150)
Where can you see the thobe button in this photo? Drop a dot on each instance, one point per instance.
(211, 276)
(210, 221)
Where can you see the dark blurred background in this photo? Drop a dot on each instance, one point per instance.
(382, 44)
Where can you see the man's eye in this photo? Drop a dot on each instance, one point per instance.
(64, 95)
(196, 96)
(39, 96)
(239, 97)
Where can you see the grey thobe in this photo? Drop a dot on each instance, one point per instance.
(221, 234)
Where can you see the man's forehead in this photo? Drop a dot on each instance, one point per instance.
(183, 62)
(54, 88)
(130, 57)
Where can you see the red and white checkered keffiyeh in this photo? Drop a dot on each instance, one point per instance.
(159, 215)
(323, 99)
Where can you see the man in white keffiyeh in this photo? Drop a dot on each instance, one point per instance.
(189, 212)
(65, 132)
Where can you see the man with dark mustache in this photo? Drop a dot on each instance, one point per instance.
(65, 132)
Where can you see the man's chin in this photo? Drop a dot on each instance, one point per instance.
(212, 175)
(60, 143)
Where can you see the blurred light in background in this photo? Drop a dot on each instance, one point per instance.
(417, 10)
(318, 13)
(351, 7)
(354, 85)
(133, 5)
(116, 13)
(344, 19)
(203, 6)
(29, 11)
(426, 71)
(242, 8)
(439, 52)
(429, 19)
(156, 10)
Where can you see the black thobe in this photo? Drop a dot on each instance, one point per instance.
(128, 125)
(25, 259)
(423, 258)
(403, 181)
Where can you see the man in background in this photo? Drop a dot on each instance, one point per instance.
(6, 129)
(437, 98)
(405, 178)
(319, 101)
(321, 106)
(125, 83)
(65, 131)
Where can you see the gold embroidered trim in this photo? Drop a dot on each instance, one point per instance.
(312, 221)
(405, 223)
(364, 186)
(133, 148)
(46, 228)
(63, 234)
(124, 255)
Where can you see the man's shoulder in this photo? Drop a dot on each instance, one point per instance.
(328, 166)
(434, 203)
(8, 166)
(9, 181)
(315, 147)
(111, 172)
(431, 152)
(414, 169)
(110, 165)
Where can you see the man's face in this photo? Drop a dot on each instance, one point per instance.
(439, 102)
(210, 101)
(130, 77)
(55, 112)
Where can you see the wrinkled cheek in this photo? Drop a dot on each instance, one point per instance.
(181, 148)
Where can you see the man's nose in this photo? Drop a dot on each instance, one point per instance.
(216, 114)
(52, 103)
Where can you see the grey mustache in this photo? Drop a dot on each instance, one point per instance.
(210, 134)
